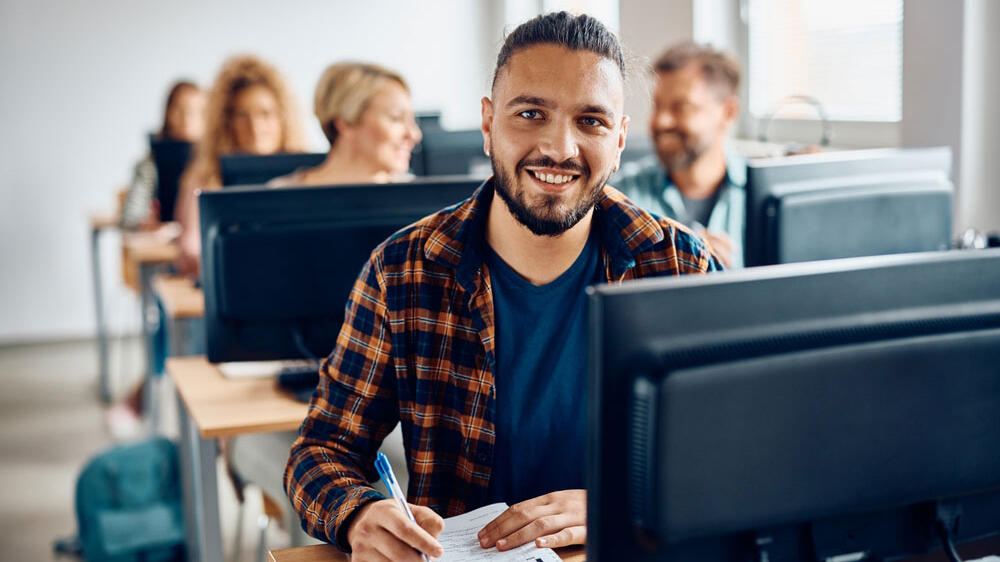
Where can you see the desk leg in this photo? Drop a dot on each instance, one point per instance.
(185, 336)
(150, 323)
(102, 330)
(203, 530)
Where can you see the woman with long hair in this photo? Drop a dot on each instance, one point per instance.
(250, 110)
(366, 113)
(183, 120)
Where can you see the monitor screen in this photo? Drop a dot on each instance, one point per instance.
(170, 158)
(278, 264)
(252, 169)
(821, 411)
(848, 204)
(445, 153)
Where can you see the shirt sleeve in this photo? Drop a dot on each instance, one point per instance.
(355, 406)
(694, 254)
(140, 195)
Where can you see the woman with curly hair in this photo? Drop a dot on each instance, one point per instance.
(366, 113)
(250, 110)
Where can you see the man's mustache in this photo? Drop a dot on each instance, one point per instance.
(546, 162)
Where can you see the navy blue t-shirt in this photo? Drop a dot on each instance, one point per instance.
(540, 377)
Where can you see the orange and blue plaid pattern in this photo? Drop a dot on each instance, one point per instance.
(417, 347)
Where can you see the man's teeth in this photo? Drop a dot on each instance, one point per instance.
(552, 178)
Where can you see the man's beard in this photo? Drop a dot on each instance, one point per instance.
(544, 219)
(690, 150)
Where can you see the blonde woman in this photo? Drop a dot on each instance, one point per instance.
(250, 110)
(366, 113)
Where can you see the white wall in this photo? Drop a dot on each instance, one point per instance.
(979, 205)
(83, 81)
(932, 79)
(647, 27)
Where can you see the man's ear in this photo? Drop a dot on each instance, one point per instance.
(487, 124)
(731, 107)
(621, 140)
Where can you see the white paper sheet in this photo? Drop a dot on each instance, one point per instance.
(461, 541)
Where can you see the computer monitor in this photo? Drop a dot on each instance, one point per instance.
(820, 411)
(170, 158)
(639, 148)
(848, 204)
(446, 153)
(254, 169)
(278, 264)
(428, 121)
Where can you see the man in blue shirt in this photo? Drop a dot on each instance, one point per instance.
(696, 182)
(468, 327)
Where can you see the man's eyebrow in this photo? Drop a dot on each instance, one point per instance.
(529, 100)
(542, 102)
(599, 109)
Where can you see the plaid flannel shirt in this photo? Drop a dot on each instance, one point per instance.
(417, 347)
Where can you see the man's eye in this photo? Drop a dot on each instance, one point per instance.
(531, 114)
(591, 121)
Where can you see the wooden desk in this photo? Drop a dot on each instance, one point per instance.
(180, 298)
(100, 222)
(210, 406)
(221, 407)
(184, 308)
(327, 553)
(151, 248)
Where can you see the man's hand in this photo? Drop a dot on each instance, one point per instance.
(721, 245)
(382, 532)
(552, 521)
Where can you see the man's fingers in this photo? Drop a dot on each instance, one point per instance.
(719, 239)
(395, 551)
(515, 517)
(428, 519)
(721, 245)
(412, 534)
(566, 537)
(370, 555)
(540, 527)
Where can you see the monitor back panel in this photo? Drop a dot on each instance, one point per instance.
(848, 204)
(787, 396)
(277, 261)
(454, 153)
(170, 158)
(252, 169)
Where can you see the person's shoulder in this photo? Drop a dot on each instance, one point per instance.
(296, 178)
(656, 240)
(409, 245)
(638, 175)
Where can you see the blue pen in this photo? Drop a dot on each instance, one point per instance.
(385, 472)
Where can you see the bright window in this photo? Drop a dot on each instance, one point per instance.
(848, 54)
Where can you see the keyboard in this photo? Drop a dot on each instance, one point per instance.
(300, 381)
(263, 369)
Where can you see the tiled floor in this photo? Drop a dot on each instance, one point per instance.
(51, 422)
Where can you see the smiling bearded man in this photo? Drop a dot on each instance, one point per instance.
(469, 326)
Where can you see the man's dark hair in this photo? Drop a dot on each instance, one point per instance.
(720, 69)
(577, 33)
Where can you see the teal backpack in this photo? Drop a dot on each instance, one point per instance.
(128, 504)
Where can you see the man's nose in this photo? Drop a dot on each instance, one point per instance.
(559, 142)
(663, 120)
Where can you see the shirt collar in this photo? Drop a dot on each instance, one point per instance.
(736, 172)
(458, 242)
